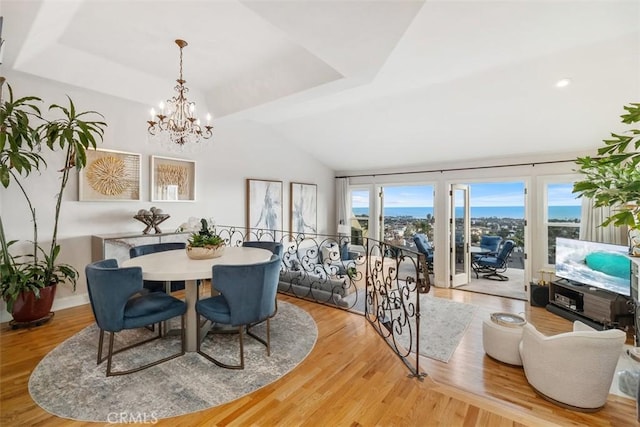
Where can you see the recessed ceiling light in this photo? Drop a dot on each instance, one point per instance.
(563, 82)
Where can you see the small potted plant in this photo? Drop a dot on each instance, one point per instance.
(205, 244)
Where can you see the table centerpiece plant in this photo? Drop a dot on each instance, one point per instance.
(205, 243)
(28, 279)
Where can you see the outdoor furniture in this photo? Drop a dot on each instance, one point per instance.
(424, 247)
(493, 265)
(573, 369)
(490, 244)
(247, 297)
(118, 304)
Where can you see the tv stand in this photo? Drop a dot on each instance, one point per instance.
(598, 308)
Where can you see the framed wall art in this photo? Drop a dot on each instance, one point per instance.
(304, 208)
(110, 175)
(264, 205)
(172, 180)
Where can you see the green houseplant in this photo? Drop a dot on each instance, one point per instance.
(613, 177)
(23, 135)
(205, 243)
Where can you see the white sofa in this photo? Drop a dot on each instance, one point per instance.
(574, 369)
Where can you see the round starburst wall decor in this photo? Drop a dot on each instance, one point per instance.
(107, 175)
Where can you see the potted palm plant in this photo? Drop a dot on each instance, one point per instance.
(28, 280)
(613, 177)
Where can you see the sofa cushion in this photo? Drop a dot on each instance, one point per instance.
(334, 286)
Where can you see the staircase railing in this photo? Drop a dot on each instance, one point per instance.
(376, 279)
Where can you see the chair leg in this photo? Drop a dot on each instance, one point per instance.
(100, 344)
(111, 352)
(267, 342)
(217, 362)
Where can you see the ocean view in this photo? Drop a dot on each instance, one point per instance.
(516, 212)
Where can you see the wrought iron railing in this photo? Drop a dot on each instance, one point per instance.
(376, 279)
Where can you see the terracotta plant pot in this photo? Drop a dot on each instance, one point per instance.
(28, 308)
(205, 252)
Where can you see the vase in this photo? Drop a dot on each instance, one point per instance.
(28, 308)
(205, 252)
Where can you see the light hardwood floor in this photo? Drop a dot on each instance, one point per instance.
(351, 378)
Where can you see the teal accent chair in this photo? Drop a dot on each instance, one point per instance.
(247, 297)
(154, 285)
(119, 302)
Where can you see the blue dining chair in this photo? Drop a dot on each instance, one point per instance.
(154, 285)
(118, 303)
(275, 247)
(247, 297)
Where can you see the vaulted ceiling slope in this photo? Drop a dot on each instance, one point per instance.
(359, 85)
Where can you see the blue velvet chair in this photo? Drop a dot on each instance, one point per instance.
(275, 247)
(247, 297)
(154, 285)
(118, 303)
(493, 265)
(424, 247)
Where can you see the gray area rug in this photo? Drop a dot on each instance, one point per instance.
(69, 384)
(442, 325)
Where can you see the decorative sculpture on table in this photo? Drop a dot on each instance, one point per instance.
(152, 218)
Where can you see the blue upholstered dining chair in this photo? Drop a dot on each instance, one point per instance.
(493, 265)
(275, 247)
(247, 297)
(154, 285)
(118, 303)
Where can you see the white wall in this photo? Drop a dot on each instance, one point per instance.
(237, 151)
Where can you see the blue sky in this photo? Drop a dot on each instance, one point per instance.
(482, 194)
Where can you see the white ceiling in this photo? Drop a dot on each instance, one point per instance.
(360, 85)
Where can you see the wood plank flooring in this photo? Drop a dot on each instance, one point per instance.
(351, 378)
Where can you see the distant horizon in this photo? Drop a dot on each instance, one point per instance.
(513, 212)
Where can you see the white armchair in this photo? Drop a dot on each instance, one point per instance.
(573, 369)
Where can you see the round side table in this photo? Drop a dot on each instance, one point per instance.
(501, 336)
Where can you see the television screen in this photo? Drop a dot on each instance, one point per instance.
(601, 265)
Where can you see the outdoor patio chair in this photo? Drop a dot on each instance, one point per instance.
(424, 247)
(493, 265)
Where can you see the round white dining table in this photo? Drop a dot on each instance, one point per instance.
(176, 265)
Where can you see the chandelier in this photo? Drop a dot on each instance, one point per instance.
(176, 121)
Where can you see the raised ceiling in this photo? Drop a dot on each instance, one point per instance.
(360, 85)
